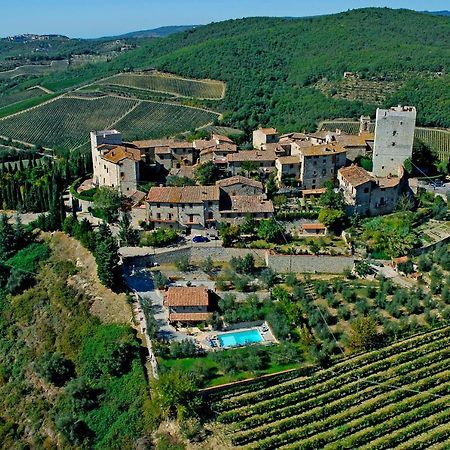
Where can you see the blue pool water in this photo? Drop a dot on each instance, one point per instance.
(240, 338)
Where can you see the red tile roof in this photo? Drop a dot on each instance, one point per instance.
(120, 152)
(186, 296)
(355, 175)
(239, 180)
(186, 194)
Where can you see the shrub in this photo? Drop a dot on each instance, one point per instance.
(55, 369)
(182, 264)
(160, 280)
(159, 238)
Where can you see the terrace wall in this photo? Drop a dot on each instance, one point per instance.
(309, 263)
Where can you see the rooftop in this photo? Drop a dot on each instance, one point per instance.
(355, 175)
(289, 160)
(120, 152)
(186, 296)
(268, 131)
(222, 138)
(249, 204)
(322, 150)
(186, 194)
(239, 180)
(252, 155)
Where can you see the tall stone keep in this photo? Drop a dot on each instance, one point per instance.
(394, 137)
(99, 138)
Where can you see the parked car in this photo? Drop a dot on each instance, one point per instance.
(198, 239)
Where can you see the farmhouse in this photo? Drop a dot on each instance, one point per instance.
(188, 304)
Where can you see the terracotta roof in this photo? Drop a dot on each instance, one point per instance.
(119, 153)
(249, 204)
(202, 143)
(289, 160)
(268, 131)
(293, 136)
(400, 260)
(354, 140)
(226, 147)
(148, 143)
(136, 197)
(314, 226)
(222, 138)
(355, 175)
(181, 144)
(322, 150)
(186, 296)
(239, 180)
(252, 155)
(186, 194)
(189, 317)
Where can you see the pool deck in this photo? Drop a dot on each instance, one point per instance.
(212, 342)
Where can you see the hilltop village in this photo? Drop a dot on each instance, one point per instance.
(297, 164)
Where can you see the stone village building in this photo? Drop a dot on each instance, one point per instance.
(189, 304)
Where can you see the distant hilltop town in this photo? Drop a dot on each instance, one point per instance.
(303, 162)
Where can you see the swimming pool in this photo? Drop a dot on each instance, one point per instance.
(239, 338)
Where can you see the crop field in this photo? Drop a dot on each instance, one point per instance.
(437, 139)
(17, 96)
(65, 122)
(153, 119)
(171, 84)
(395, 397)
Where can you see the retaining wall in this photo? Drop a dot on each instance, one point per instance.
(309, 263)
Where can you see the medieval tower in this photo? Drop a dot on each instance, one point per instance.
(394, 137)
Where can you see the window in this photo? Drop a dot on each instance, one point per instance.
(122, 174)
(158, 205)
(158, 215)
(171, 206)
(324, 171)
(314, 181)
(401, 122)
(324, 160)
(394, 133)
(191, 205)
(393, 144)
(291, 166)
(313, 186)
(169, 216)
(366, 190)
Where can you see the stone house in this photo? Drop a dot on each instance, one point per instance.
(264, 136)
(264, 161)
(318, 163)
(313, 229)
(189, 207)
(188, 304)
(288, 170)
(236, 207)
(368, 195)
(239, 185)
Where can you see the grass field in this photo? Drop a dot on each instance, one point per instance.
(171, 84)
(437, 139)
(65, 122)
(395, 397)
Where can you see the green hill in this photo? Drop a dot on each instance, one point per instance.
(273, 67)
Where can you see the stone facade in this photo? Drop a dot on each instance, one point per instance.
(264, 136)
(190, 207)
(394, 137)
(239, 185)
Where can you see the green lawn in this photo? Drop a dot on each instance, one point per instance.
(218, 377)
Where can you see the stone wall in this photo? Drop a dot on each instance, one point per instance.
(309, 263)
(279, 263)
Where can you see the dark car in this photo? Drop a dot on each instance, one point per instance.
(198, 239)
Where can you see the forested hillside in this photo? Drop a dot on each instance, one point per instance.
(271, 65)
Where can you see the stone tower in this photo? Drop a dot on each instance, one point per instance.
(394, 137)
(110, 137)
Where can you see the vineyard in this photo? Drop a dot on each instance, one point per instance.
(395, 397)
(65, 122)
(171, 84)
(438, 140)
(152, 119)
(34, 69)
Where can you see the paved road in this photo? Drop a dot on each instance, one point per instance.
(141, 282)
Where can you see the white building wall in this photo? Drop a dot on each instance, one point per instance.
(110, 137)
(394, 137)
